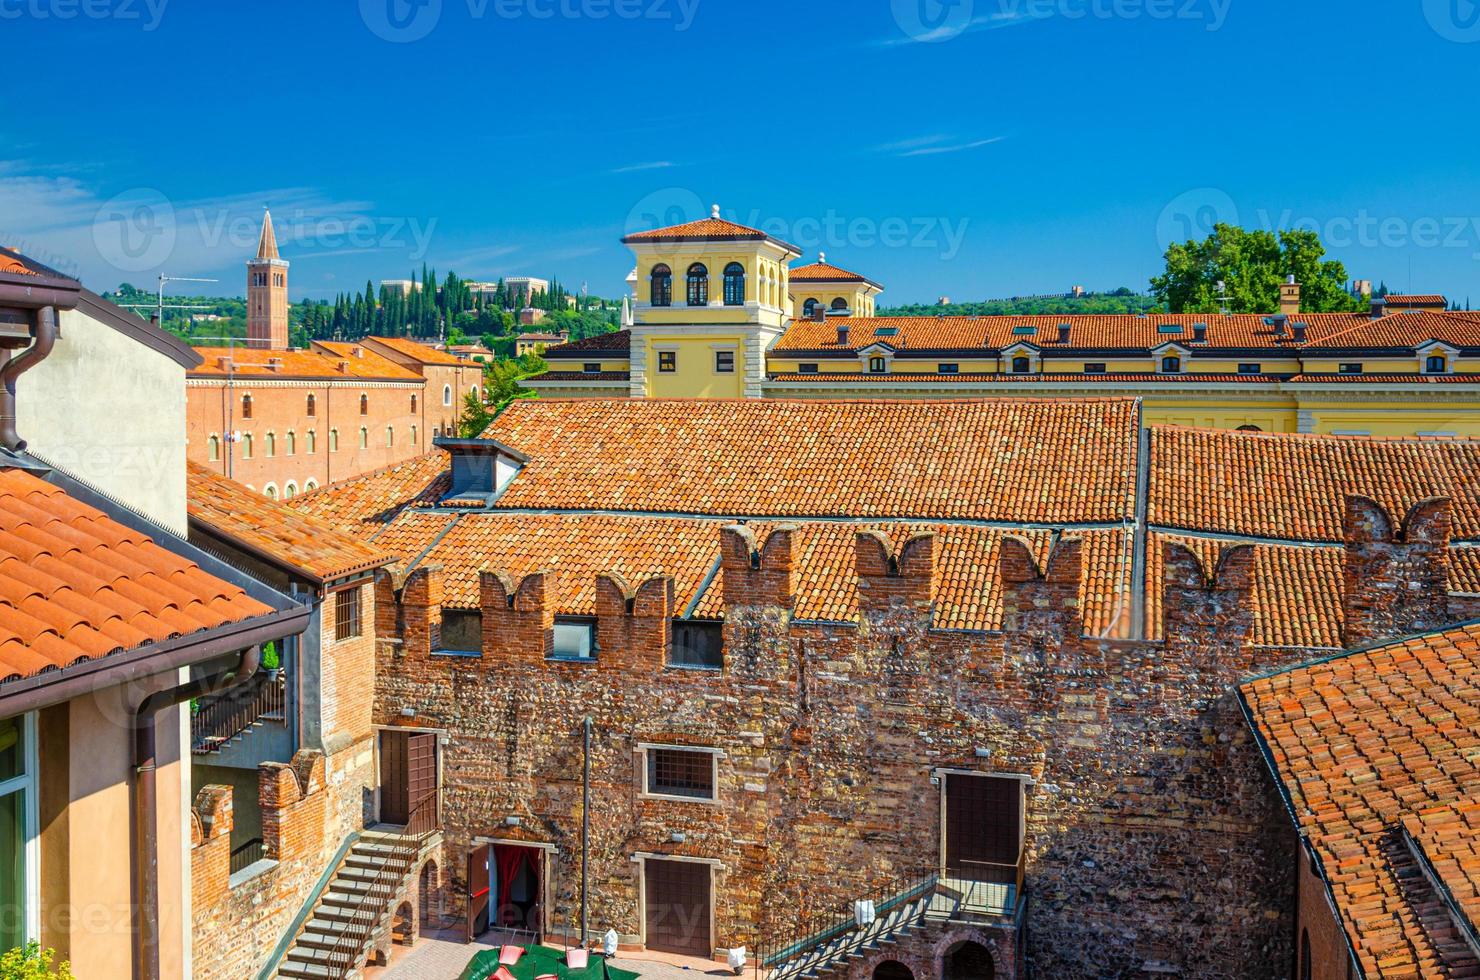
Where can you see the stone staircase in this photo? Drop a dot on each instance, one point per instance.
(353, 915)
(886, 929)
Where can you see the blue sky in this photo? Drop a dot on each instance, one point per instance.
(980, 149)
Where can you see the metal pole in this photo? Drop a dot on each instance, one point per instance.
(585, 825)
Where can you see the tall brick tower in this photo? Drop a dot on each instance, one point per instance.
(267, 292)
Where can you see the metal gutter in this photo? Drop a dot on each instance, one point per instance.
(1140, 535)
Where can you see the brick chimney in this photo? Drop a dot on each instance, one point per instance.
(1290, 296)
(1379, 307)
(842, 335)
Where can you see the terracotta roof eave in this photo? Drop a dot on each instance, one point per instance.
(758, 236)
(83, 677)
(277, 560)
(265, 375)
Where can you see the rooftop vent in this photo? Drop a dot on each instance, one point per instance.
(1200, 332)
(343, 367)
(481, 469)
(843, 334)
(1064, 329)
(1297, 330)
(1278, 323)
(1379, 307)
(274, 364)
(223, 363)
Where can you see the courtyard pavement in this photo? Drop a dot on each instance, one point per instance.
(443, 955)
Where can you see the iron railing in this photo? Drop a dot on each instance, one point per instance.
(817, 931)
(217, 720)
(247, 854)
(376, 903)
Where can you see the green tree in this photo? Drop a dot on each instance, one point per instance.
(31, 962)
(1251, 265)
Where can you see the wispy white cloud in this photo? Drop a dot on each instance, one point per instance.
(952, 147)
(920, 146)
(639, 167)
(983, 22)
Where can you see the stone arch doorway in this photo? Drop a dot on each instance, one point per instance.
(893, 970)
(968, 961)
(403, 925)
(430, 892)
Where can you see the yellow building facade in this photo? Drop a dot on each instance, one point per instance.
(719, 311)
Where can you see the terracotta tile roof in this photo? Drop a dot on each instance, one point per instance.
(1446, 841)
(77, 585)
(1370, 745)
(1022, 461)
(712, 229)
(253, 363)
(1417, 299)
(825, 272)
(290, 536)
(375, 498)
(16, 267)
(422, 352)
(1386, 379)
(577, 376)
(1127, 332)
(1295, 486)
(617, 340)
(366, 361)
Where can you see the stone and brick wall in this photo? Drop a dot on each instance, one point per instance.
(1155, 840)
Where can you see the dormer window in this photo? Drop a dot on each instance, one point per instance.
(1021, 365)
(878, 365)
(1436, 364)
(698, 284)
(481, 468)
(661, 283)
(1171, 364)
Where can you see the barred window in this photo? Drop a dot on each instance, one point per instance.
(347, 614)
(681, 772)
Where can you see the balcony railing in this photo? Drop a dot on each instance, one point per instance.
(247, 854)
(219, 719)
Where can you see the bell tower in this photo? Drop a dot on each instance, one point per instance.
(267, 292)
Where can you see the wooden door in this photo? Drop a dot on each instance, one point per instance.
(421, 782)
(984, 827)
(394, 800)
(677, 900)
(478, 891)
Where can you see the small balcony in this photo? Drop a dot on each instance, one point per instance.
(217, 721)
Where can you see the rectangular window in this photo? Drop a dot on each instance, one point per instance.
(724, 362)
(462, 632)
(1250, 369)
(591, 368)
(667, 361)
(19, 884)
(1169, 328)
(688, 773)
(1095, 367)
(806, 369)
(698, 644)
(948, 369)
(1024, 331)
(347, 613)
(575, 639)
(1350, 368)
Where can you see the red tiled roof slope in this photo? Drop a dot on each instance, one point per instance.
(375, 498)
(824, 272)
(77, 585)
(1295, 486)
(1022, 461)
(705, 229)
(616, 341)
(1363, 743)
(307, 543)
(249, 362)
(421, 352)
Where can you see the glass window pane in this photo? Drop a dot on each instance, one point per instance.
(12, 749)
(12, 870)
(574, 641)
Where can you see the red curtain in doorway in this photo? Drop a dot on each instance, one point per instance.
(508, 860)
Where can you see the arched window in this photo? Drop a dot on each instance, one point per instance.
(877, 365)
(413, 404)
(312, 442)
(809, 308)
(1021, 365)
(364, 404)
(290, 490)
(215, 448)
(333, 440)
(246, 406)
(474, 390)
(291, 443)
(390, 436)
(310, 486)
(270, 444)
(1171, 364)
(313, 407)
(364, 438)
(447, 394)
(246, 445)
(840, 303)
(661, 285)
(698, 284)
(1436, 364)
(734, 284)
(413, 436)
(271, 491)
(1249, 428)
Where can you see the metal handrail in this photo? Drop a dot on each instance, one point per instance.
(221, 718)
(247, 854)
(375, 904)
(895, 892)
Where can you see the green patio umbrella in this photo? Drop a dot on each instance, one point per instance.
(539, 961)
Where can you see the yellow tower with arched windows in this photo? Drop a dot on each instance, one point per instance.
(710, 298)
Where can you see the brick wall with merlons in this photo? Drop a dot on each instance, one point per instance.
(1155, 840)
